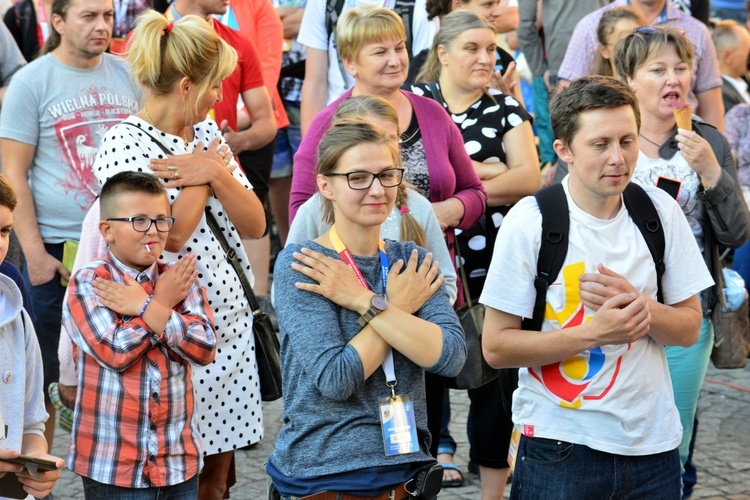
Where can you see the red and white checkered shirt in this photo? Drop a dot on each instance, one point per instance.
(134, 422)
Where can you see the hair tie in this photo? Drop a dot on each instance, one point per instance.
(405, 209)
(169, 27)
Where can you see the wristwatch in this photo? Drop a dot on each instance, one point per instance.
(377, 305)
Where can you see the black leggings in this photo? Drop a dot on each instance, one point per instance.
(490, 421)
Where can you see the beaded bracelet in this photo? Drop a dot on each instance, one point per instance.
(143, 309)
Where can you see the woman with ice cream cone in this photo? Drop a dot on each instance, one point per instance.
(693, 162)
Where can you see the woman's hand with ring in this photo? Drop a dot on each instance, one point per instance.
(195, 169)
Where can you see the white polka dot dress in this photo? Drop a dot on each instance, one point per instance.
(482, 126)
(226, 391)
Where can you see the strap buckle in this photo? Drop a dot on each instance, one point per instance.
(231, 254)
(392, 385)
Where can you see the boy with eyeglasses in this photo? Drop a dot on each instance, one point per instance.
(137, 325)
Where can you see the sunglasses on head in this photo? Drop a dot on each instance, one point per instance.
(650, 30)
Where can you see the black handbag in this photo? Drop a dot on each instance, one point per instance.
(266, 341)
(475, 372)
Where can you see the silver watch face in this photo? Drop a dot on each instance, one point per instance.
(379, 302)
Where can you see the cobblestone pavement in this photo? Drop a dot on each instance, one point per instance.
(722, 453)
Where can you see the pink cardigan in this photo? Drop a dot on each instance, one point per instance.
(451, 172)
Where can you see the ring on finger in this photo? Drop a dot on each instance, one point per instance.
(171, 168)
(176, 175)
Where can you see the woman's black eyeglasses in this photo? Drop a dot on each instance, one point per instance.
(360, 181)
(143, 224)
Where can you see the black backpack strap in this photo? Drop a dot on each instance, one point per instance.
(333, 11)
(405, 10)
(553, 206)
(644, 214)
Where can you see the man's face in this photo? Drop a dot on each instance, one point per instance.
(211, 7)
(650, 4)
(736, 61)
(601, 157)
(87, 28)
(6, 225)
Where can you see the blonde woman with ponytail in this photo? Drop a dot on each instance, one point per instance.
(412, 217)
(181, 66)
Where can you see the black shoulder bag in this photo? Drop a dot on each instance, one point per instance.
(266, 341)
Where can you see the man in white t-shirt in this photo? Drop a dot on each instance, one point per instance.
(594, 402)
(325, 76)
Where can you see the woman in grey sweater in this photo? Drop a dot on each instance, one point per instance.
(353, 363)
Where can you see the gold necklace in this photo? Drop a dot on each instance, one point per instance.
(151, 121)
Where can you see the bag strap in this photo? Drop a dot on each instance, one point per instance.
(232, 258)
(462, 273)
(553, 205)
(333, 11)
(405, 10)
(436, 94)
(643, 212)
(229, 252)
(155, 141)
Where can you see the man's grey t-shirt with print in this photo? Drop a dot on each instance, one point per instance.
(65, 112)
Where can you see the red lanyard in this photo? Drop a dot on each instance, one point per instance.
(347, 257)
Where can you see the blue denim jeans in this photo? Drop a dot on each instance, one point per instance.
(549, 469)
(47, 299)
(94, 490)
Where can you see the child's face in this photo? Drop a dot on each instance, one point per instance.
(134, 248)
(6, 224)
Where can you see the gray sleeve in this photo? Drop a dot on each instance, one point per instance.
(19, 119)
(424, 214)
(313, 345)
(11, 58)
(438, 310)
(308, 223)
(528, 37)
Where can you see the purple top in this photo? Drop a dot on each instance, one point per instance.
(451, 172)
(738, 135)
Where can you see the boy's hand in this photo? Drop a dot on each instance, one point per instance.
(41, 486)
(7, 466)
(174, 284)
(36, 486)
(127, 299)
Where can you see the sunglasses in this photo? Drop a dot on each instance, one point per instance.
(650, 30)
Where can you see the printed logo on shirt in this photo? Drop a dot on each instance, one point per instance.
(589, 375)
(80, 124)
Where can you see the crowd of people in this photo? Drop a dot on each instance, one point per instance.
(370, 168)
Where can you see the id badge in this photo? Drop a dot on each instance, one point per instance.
(515, 439)
(399, 425)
